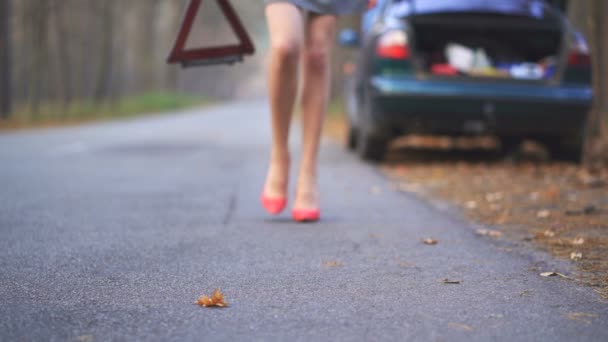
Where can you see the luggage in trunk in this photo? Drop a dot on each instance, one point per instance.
(488, 45)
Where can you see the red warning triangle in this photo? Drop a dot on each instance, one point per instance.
(227, 54)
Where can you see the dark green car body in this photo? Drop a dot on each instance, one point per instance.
(387, 98)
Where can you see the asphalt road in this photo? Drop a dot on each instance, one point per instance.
(112, 231)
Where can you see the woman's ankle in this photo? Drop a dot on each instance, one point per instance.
(280, 157)
(277, 178)
(307, 196)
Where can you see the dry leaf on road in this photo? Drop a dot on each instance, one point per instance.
(578, 241)
(471, 205)
(576, 256)
(460, 326)
(216, 300)
(494, 196)
(448, 281)
(587, 210)
(591, 181)
(430, 241)
(546, 234)
(331, 263)
(553, 274)
(86, 338)
(534, 196)
(488, 232)
(582, 317)
(543, 214)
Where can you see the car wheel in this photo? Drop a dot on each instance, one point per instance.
(562, 150)
(371, 148)
(568, 148)
(509, 146)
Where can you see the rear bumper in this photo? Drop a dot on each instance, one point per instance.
(448, 107)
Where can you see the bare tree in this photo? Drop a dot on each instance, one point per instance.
(74, 51)
(39, 11)
(5, 59)
(599, 46)
(589, 15)
(106, 54)
(147, 42)
(62, 47)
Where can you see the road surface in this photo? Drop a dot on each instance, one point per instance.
(111, 231)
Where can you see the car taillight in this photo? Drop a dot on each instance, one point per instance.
(371, 4)
(393, 45)
(579, 52)
(579, 59)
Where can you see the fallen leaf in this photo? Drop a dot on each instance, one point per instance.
(405, 264)
(572, 197)
(553, 274)
(430, 241)
(216, 300)
(409, 187)
(471, 205)
(448, 281)
(503, 217)
(576, 256)
(460, 326)
(590, 210)
(590, 181)
(586, 318)
(552, 193)
(488, 232)
(587, 210)
(543, 214)
(578, 241)
(332, 263)
(495, 207)
(546, 234)
(494, 196)
(534, 196)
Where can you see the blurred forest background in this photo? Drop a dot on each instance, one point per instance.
(63, 60)
(70, 59)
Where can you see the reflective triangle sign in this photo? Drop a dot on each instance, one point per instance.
(226, 54)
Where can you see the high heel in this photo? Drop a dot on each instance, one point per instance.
(306, 215)
(274, 205)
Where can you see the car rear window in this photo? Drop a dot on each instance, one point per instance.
(531, 8)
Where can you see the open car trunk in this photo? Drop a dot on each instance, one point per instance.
(487, 45)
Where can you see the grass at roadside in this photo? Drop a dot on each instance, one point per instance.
(49, 115)
(558, 207)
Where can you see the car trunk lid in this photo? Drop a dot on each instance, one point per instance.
(515, 40)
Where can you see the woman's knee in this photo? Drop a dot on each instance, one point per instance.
(318, 56)
(319, 42)
(286, 49)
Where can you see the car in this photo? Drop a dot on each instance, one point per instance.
(514, 69)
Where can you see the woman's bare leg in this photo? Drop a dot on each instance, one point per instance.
(320, 33)
(285, 23)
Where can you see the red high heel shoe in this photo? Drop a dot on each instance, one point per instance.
(306, 215)
(273, 205)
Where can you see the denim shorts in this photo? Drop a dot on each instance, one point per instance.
(336, 7)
